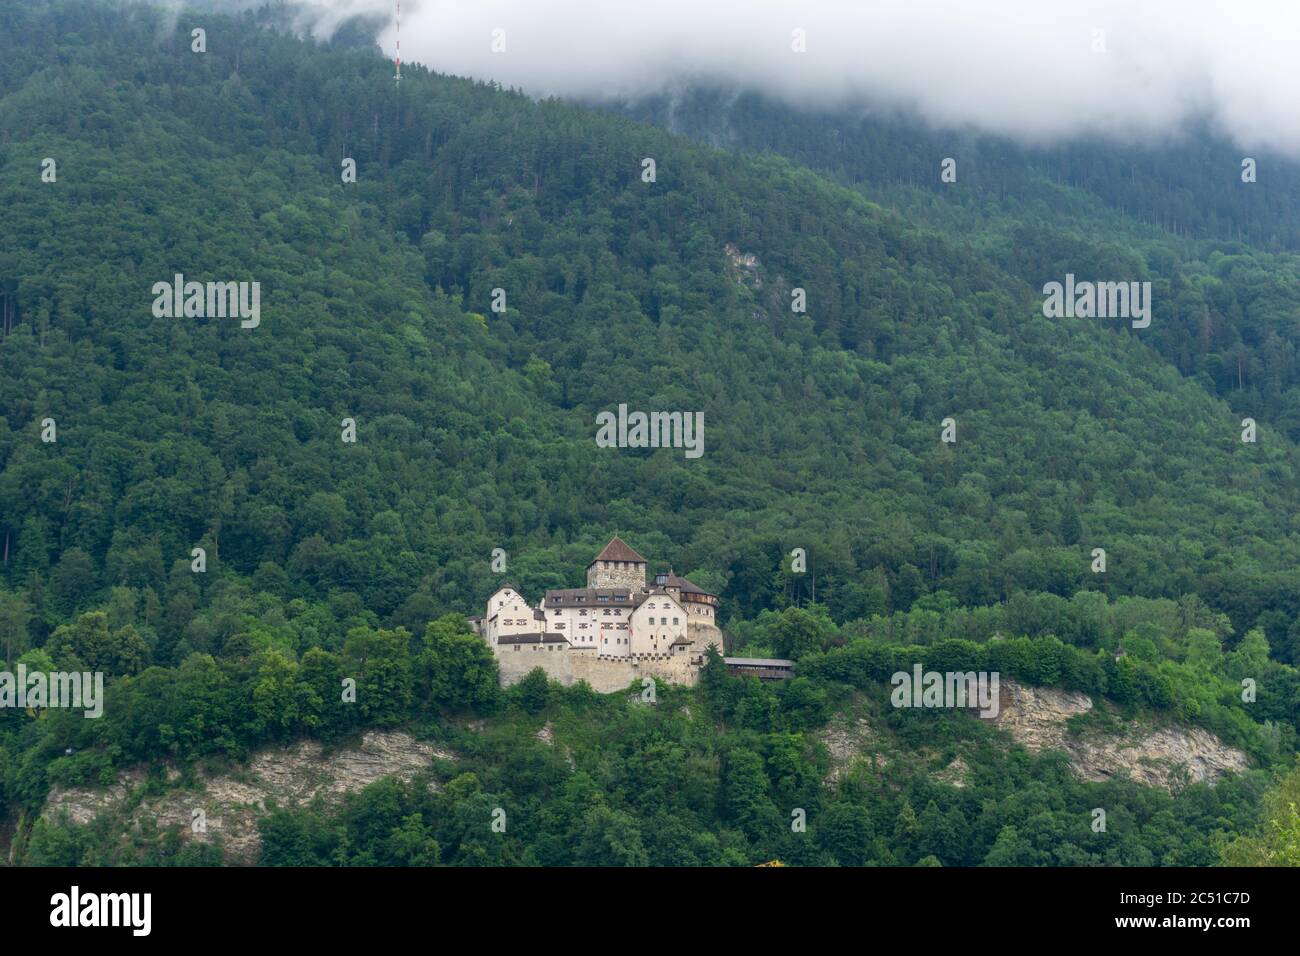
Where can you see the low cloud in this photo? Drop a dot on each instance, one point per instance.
(1032, 69)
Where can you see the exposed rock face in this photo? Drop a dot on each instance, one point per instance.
(745, 266)
(1154, 756)
(1036, 716)
(847, 743)
(954, 774)
(233, 802)
(1158, 758)
(740, 260)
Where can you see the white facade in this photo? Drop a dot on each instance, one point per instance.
(657, 623)
(616, 616)
(507, 613)
(700, 616)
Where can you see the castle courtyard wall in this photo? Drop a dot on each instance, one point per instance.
(604, 674)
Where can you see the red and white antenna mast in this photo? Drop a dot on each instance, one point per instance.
(398, 77)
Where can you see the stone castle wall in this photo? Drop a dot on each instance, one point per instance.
(704, 633)
(632, 578)
(604, 674)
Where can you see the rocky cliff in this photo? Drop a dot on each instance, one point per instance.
(232, 802)
(1158, 756)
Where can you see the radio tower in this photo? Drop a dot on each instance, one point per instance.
(398, 77)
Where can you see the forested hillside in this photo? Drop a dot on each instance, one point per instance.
(475, 431)
(1221, 252)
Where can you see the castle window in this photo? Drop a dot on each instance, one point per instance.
(583, 612)
(674, 620)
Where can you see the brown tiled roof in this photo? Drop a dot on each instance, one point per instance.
(532, 639)
(685, 586)
(618, 550)
(588, 597)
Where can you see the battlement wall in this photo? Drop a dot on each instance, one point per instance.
(604, 674)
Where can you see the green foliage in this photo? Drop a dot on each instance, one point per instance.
(459, 667)
(333, 566)
(88, 644)
(532, 692)
(1277, 841)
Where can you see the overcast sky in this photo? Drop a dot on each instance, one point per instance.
(1021, 67)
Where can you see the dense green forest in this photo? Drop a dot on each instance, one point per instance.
(475, 431)
(1221, 252)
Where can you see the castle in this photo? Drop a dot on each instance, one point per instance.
(617, 629)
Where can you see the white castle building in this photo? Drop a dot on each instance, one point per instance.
(661, 628)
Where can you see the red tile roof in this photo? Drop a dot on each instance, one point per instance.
(618, 550)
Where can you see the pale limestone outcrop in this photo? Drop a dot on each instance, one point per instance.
(955, 774)
(1037, 718)
(1151, 755)
(848, 743)
(232, 802)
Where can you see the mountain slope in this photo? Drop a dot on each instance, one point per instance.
(1220, 251)
(475, 430)
(618, 291)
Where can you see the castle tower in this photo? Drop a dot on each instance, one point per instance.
(617, 566)
(701, 609)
